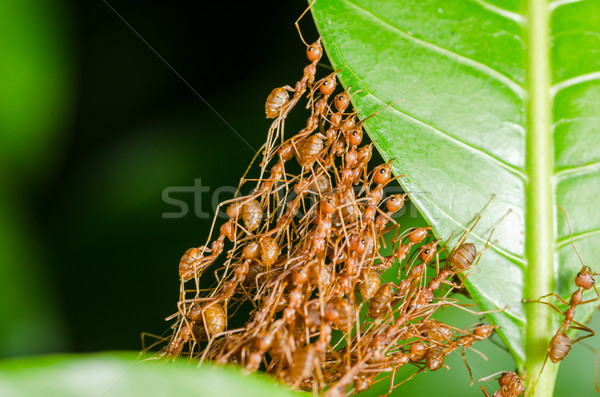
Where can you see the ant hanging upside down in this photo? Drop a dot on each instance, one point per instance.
(561, 343)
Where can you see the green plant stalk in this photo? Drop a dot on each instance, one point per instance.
(540, 204)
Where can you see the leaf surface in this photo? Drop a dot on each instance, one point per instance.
(122, 374)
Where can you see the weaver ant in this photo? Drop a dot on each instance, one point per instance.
(561, 343)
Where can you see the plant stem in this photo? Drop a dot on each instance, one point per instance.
(540, 203)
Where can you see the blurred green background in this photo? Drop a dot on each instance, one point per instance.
(94, 127)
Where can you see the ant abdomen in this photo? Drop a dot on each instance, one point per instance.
(363, 382)
(434, 359)
(275, 102)
(310, 150)
(187, 264)
(559, 347)
(269, 251)
(380, 301)
(370, 285)
(463, 256)
(207, 320)
(341, 313)
(303, 363)
(252, 215)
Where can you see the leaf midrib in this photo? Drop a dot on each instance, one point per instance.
(539, 222)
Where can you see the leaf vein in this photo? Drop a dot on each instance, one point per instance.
(584, 78)
(513, 16)
(576, 119)
(559, 3)
(576, 237)
(514, 258)
(515, 87)
(503, 164)
(577, 170)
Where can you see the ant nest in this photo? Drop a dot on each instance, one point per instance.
(302, 261)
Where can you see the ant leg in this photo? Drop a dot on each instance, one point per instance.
(538, 300)
(409, 378)
(462, 351)
(595, 366)
(485, 392)
(470, 311)
(480, 353)
(320, 378)
(582, 327)
(300, 17)
(590, 300)
(541, 370)
(490, 377)
(158, 340)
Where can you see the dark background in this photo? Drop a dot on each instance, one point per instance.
(94, 126)
(135, 129)
(139, 129)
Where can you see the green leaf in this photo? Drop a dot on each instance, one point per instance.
(122, 374)
(497, 98)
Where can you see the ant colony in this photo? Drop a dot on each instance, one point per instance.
(298, 291)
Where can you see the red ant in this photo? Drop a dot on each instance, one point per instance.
(561, 343)
(511, 384)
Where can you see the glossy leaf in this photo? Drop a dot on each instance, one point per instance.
(123, 374)
(487, 100)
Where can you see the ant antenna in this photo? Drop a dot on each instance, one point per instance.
(388, 105)
(298, 20)
(488, 204)
(571, 234)
(354, 93)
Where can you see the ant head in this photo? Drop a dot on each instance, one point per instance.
(381, 339)
(299, 276)
(331, 312)
(328, 85)
(329, 203)
(429, 295)
(342, 100)
(355, 137)
(314, 51)
(337, 257)
(519, 387)
(359, 243)
(426, 294)
(512, 381)
(507, 379)
(301, 186)
(427, 251)
(263, 341)
(585, 278)
(395, 202)
(382, 174)
(417, 235)
(483, 331)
